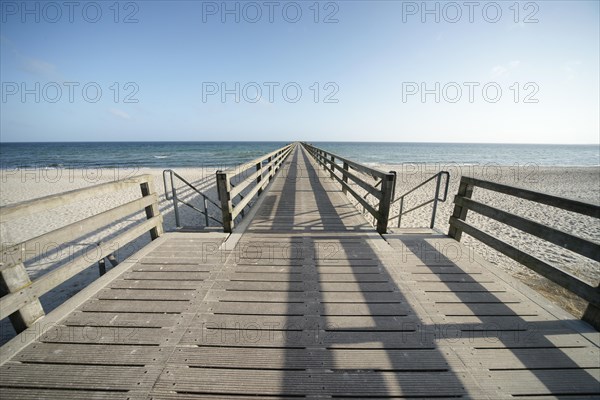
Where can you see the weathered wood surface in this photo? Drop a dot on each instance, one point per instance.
(311, 302)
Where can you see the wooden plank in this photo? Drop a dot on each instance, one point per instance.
(265, 382)
(58, 394)
(544, 382)
(357, 309)
(154, 284)
(141, 306)
(505, 359)
(201, 336)
(360, 297)
(157, 295)
(258, 308)
(335, 359)
(92, 377)
(69, 353)
(172, 267)
(121, 319)
(105, 335)
(254, 296)
(479, 309)
(266, 322)
(362, 287)
(165, 276)
(261, 286)
(577, 206)
(474, 297)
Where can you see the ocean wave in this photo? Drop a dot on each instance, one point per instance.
(161, 157)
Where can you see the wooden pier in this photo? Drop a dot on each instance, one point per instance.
(307, 299)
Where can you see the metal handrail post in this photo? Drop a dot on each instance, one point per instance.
(435, 200)
(205, 202)
(175, 202)
(401, 210)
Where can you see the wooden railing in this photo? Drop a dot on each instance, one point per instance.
(20, 295)
(586, 248)
(384, 195)
(259, 172)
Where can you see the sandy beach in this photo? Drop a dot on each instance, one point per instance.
(581, 183)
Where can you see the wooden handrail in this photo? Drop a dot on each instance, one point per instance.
(384, 195)
(375, 173)
(261, 177)
(20, 300)
(458, 225)
(30, 207)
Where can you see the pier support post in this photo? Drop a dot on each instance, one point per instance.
(388, 185)
(460, 212)
(224, 190)
(12, 279)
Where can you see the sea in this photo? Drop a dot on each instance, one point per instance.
(226, 154)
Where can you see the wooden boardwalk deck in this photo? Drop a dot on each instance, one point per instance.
(309, 302)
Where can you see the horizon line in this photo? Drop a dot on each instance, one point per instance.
(292, 141)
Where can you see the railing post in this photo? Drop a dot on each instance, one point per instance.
(152, 210)
(224, 189)
(13, 279)
(101, 266)
(270, 168)
(332, 172)
(460, 212)
(345, 177)
(435, 200)
(259, 178)
(387, 191)
(592, 315)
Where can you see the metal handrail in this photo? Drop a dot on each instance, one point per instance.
(435, 200)
(176, 199)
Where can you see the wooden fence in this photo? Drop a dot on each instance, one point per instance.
(259, 172)
(20, 295)
(384, 195)
(458, 225)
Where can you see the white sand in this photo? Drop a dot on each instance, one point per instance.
(577, 183)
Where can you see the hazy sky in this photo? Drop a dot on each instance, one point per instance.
(268, 70)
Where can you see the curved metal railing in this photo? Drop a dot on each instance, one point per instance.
(178, 199)
(436, 198)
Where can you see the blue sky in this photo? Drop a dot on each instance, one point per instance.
(347, 70)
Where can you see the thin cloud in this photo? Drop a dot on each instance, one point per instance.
(570, 69)
(504, 70)
(35, 66)
(119, 113)
(38, 67)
